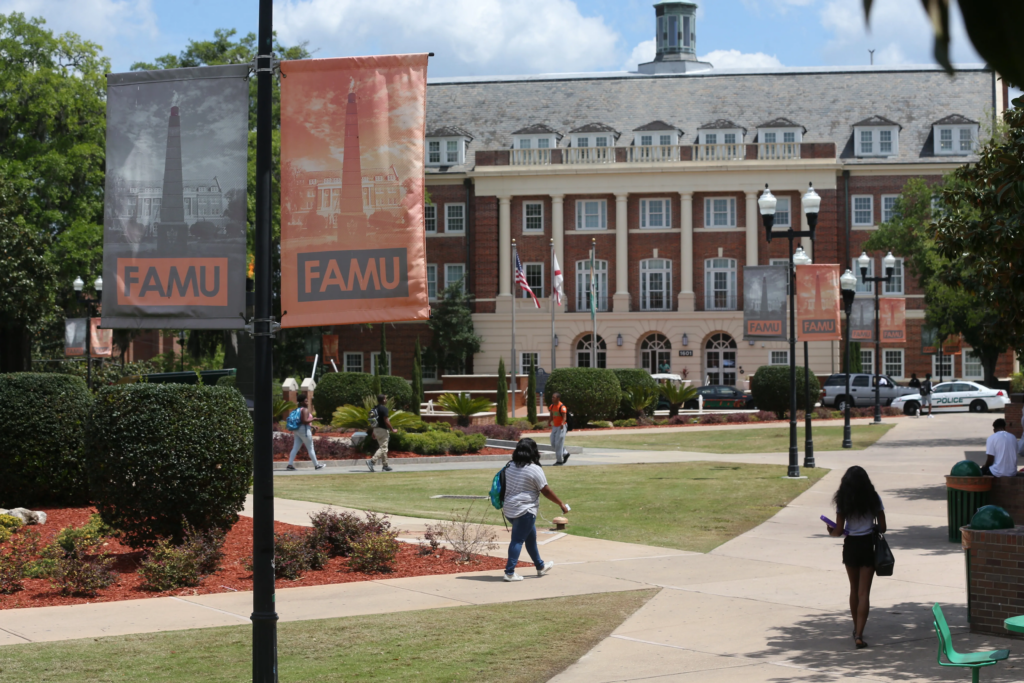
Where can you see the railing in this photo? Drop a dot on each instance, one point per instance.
(733, 152)
(588, 155)
(778, 150)
(719, 301)
(645, 154)
(530, 157)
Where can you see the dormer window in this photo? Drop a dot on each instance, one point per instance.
(876, 137)
(447, 146)
(720, 132)
(955, 135)
(656, 133)
(537, 136)
(593, 135)
(780, 131)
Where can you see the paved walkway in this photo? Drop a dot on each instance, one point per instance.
(770, 605)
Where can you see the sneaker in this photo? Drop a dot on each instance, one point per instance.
(513, 577)
(565, 458)
(559, 464)
(320, 466)
(369, 465)
(290, 467)
(930, 415)
(386, 468)
(546, 568)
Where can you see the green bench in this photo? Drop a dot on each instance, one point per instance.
(974, 660)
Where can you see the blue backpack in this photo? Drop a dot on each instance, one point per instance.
(294, 419)
(498, 488)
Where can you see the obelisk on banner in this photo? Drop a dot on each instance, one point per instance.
(817, 303)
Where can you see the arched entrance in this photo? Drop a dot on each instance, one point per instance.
(720, 360)
(584, 353)
(656, 354)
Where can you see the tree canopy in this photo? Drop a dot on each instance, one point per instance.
(451, 321)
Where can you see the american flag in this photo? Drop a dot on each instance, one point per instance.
(521, 280)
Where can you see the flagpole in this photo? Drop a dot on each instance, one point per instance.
(514, 255)
(553, 304)
(593, 295)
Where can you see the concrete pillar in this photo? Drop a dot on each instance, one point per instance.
(504, 247)
(753, 226)
(620, 303)
(558, 228)
(686, 295)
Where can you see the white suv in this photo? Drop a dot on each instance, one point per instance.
(862, 390)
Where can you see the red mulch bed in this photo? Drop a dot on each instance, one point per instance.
(231, 576)
(800, 422)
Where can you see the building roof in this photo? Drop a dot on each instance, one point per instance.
(655, 125)
(781, 122)
(954, 119)
(449, 132)
(721, 124)
(826, 101)
(537, 129)
(595, 128)
(877, 121)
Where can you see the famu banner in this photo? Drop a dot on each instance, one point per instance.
(764, 302)
(175, 207)
(817, 303)
(931, 344)
(352, 238)
(893, 319)
(74, 336)
(862, 320)
(102, 343)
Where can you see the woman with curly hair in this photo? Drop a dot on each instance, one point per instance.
(857, 507)
(524, 482)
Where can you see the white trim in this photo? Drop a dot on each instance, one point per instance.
(430, 220)
(867, 368)
(710, 211)
(526, 216)
(373, 362)
(449, 219)
(431, 269)
(663, 215)
(731, 296)
(449, 281)
(539, 290)
(788, 212)
(956, 139)
(657, 138)
(601, 214)
(871, 209)
(796, 135)
(524, 368)
(902, 363)
(899, 275)
(716, 136)
(891, 210)
(664, 270)
(864, 288)
(535, 141)
(441, 154)
(947, 360)
(773, 352)
(981, 369)
(582, 272)
(352, 354)
(876, 141)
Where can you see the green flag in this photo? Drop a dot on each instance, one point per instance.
(593, 288)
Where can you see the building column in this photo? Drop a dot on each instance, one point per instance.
(504, 302)
(686, 295)
(753, 225)
(558, 228)
(620, 302)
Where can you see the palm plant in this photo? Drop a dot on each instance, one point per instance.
(640, 398)
(677, 395)
(282, 408)
(358, 417)
(464, 406)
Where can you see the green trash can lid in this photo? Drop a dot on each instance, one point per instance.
(965, 468)
(991, 517)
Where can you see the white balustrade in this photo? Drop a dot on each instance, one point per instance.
(728, 152)
(530, 157)
(647, 154)
(778, 150)
(588, 155)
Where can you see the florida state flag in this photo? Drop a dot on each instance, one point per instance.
(817, 303)
(892, 314)
(352, 239)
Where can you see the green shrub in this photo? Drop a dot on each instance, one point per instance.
(40, 569)
(292, 556)
(464, 406)
(161, 455)
(168, 566)
(86, 537)
(631, 422)
(337, 389)
(228, 381)
(375, 552)
(589, 393)
(42, 439)
(14, 560)
(521, 423)
(1017, 383)
(437, 443)
(76, 571)
(770, 388)
(10, 522)
(439, 427)
(335, 530)
(358, 416)
(629, 379)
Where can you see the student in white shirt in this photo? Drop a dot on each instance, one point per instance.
(1001, 452)
(524, 484)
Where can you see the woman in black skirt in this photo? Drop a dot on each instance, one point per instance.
(857, 508)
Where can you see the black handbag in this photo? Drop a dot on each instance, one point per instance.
(884, 561)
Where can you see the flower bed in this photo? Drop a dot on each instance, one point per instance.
(231, 576)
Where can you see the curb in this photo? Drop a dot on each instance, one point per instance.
(279, 465)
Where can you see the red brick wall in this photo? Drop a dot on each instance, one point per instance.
(485, 252)
(996, 581)
(576, 246)
(401, 340)
(533, 247)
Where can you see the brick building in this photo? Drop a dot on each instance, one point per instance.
(661, 169)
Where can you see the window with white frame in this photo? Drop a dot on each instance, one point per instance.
(973, 368)
(943, 369)
(601, 141)
(591, 214)
(455, 218)
(782, 215)
(864, 287)
(434, 152)
(867, 360)
(876, 141)
(779, 135)
(430, 218)
(428, 371)
(581, 141)
(649, 139)
(889, 207)
(718, 136)
(863, 210)
(446, 151)
(353, 361)
(893, 363)
(720, 212)
(655, 213)
(373, 362)
(954, 140)
(780, 262)
(533, 216)
(778, 357)
(967, 139)
(656, 284)
(535, 278)
(533, 141)
(455, 272)
(583, 285)
(720, 284)
(431, 282)
(451, 153)
(894, 286)
(524, 361)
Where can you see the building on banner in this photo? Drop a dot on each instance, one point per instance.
(892, 314)
(817, 303)
(174, 219)
(765, 291)
(74, 336)
(102, 343)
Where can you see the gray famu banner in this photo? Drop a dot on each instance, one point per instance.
(862, 320)
(174, 215)
(764, 302)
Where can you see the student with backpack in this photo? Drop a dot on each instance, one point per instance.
(380, 427)
(519, 498)
(300, 423)
(558, 416)
(926, 393)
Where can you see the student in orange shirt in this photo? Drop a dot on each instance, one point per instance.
(557, 414)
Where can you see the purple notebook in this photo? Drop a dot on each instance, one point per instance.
(831, 523)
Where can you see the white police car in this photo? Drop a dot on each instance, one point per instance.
(957, 395)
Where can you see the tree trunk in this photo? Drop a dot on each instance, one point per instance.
(15, 348)
(988, 363)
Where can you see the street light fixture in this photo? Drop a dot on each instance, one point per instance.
(89, 303)
(889, 264)
(848, 286)
(766, 204)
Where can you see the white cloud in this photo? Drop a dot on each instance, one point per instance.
(644, 52)
(468, 36)
(734, 59)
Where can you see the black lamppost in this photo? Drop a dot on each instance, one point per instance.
(800, 258)
(889, 264)
(78, 284)
(848, 286)
(766, 204)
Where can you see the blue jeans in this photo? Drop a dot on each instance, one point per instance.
(523, 531)
(303, 436)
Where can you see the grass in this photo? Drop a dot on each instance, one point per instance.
(690, 506)
(729, 441)
(521, 641)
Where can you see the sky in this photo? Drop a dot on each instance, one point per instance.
(505, 37)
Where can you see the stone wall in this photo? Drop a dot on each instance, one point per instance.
(995, 580)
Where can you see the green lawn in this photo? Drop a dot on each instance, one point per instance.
(691, 506)
(518, 641)
(763, 440)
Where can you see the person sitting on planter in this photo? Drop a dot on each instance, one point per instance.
(1000, 452)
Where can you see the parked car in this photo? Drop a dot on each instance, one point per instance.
(958, 395)
(862, 390)
(722, 396)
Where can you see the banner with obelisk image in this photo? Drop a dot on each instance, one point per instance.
(74, 336)
(174, 214)
(862, 320)
(764, 303)
(817, 303)
(353, 246)
(892, 312)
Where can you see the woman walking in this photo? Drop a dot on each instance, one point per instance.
(524, 482)
(857, 507)
(303, 436)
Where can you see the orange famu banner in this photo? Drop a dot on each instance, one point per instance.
(892, 314)
(102, 342)
(817, 303)
(352, 241)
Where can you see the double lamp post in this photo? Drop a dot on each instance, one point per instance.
(89, 303)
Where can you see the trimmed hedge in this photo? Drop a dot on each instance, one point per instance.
(770, 388)
(436, 443)
(162, 455)
(589, 393)
(628, 379)
(42, 439)
(337, 389)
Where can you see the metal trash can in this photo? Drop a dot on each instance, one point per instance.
(966, 491)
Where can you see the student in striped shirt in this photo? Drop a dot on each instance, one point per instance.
(524, 482)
